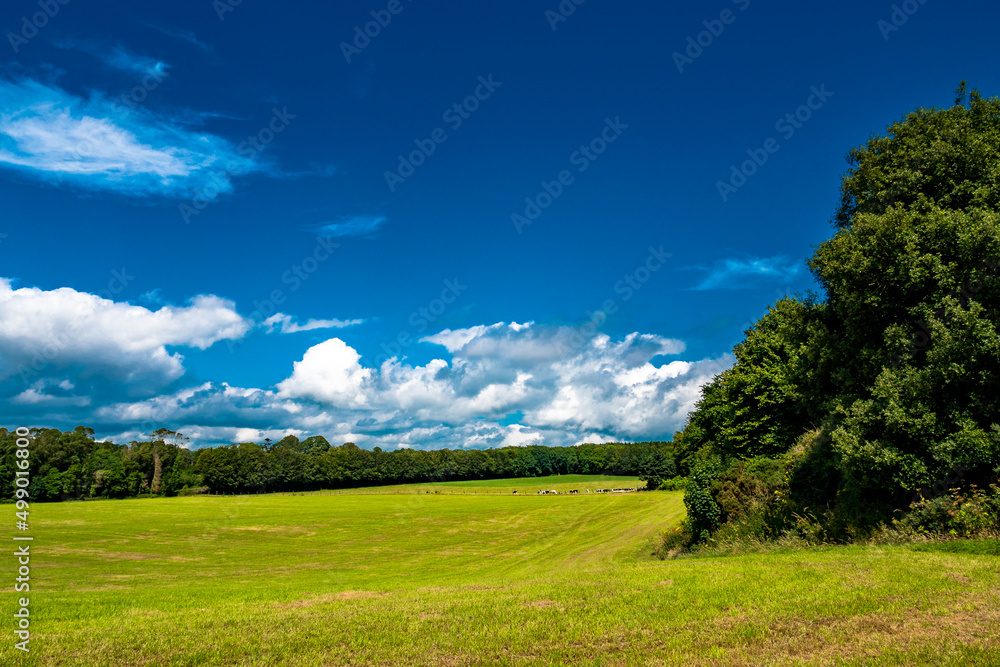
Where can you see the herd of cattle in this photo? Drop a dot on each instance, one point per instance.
(544, 492)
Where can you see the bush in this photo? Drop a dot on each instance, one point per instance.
(959, 513)
(674, 542)
(703, 513)
(674, 484)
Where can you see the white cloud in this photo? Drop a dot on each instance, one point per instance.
(601, 386)
(72, 356)
(97, 144)
(285, 324)
(76, 341)
(329, 373)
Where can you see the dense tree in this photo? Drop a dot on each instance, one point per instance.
(769, 397)
(898, 364)
(657, 466)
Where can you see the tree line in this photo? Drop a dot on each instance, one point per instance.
(69, 465)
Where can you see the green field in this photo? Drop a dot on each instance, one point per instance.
(426, 579)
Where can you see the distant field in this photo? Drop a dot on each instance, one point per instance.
(560, 483)
(426, 579)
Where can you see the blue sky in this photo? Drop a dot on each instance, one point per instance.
(482, 225)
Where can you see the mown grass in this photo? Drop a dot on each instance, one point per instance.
(425, 579)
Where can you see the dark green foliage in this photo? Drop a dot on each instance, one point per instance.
(656, 467)
(898, 366)
(944, 157)
(763, 403)
(703, 513)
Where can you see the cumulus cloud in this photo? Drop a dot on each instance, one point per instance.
(329, 373)
(94, 143)
(286, 324)
(62, 343)
(71, 356)
(746, 273)
(557, 382)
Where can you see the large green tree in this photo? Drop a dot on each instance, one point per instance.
(899, 363)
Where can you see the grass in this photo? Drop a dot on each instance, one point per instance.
(426, 579)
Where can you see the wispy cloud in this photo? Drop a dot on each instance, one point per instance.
(286, 325)
(95, 143)
(184, 35)
(357, 226)
(747, 273)
(116, 56)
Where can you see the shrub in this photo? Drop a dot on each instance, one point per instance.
(674, 542)
(702, 511)
(674, 484)
(971, 513)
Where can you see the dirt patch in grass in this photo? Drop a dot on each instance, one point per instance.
(542, 604)
(103, 555)
(331, 597)
(270, 529)
(121, 555)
